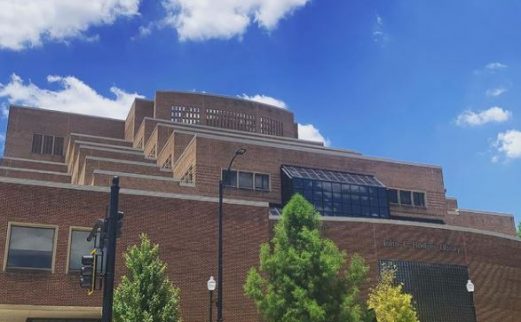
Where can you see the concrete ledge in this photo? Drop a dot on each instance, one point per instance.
(88, 146)
(115, 147)
(34, 170)
(89, 157)
(489, 213)
(134, 175)
(35, 161)
(99, 137)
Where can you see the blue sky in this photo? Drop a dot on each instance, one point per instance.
(435, 82)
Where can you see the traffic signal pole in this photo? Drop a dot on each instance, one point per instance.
(112, 227)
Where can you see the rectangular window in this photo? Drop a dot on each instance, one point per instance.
(79, 246)
(30, 247)
(392, 195)
(262, 182)
(58, 145)
(37, 144)
(229, 178)
(47, 144)
(245, 180)
(419, 199)
(405, 197)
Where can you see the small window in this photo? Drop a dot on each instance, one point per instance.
(405, 197)
(246, 180)
(37, 144)
(79, 247)
(229, 178)
(58, 146)
(48, 144)
(30, 248)
(392, 195)
(262, 182)
(419, 199)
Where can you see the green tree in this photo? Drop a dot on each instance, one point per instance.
(519, 230)
(302, 276)
(145, 293)
(389, 302)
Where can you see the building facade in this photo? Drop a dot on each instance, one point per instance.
(170, 154)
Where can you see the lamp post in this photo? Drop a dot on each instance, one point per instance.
(239, 151)
(211, 287)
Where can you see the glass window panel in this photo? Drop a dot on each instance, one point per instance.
(419, 199)
(405, 197)
(366, 211)
(356, 210)
(355, 189)
(337, 196)
(79, 247)
(364, 200)
(30, 247)
(37, 143)
(262, 181)
(326, 186)
(372, 192)
(346, 188)
(392, 195)
(336, 187)
(229, 178)
(47, 144)
(58, 146)
(363, 190)
(355, 200)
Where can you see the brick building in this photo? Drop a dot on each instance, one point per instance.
(170, 154)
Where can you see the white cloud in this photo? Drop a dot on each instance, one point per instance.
(26, 23)
(494, 114)
(224, 19)
(72, 96)
(494, 92)
(4, 111)
(379, 34)
(311, 133)
(266, 100)
(495, 66)
(508, 144)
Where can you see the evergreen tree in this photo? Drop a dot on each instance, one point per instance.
(301, 277)
(389, 302)
(146, 294)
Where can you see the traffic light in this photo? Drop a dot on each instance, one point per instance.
(119, 224)
(88, 272)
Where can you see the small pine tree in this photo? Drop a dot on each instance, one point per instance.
(301, 277)
(145, 293)
(389, 302)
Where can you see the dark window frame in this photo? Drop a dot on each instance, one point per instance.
(236, 184)
(69, 250)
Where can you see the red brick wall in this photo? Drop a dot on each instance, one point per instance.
(186, 231)
(23, 122)
(499, 223)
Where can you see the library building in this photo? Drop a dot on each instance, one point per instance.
(170, 153)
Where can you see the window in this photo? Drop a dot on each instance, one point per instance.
(79, 246)
(37, 144)
(58, 146)
(31, 247)
(47, 144)
(392, 195)
(262, 181)
(229, 178)
(419, 199)
(405, 197)
(246, 180)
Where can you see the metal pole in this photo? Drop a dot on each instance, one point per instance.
(210, 307)
(220, 259)
(108, 287)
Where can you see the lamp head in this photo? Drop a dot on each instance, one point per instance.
(470, 286)
(240, 151)
(211, 284)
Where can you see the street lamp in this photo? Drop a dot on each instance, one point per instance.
(470, 289)
(211, 287)
(238, 152)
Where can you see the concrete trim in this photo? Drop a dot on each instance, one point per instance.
(84, 145)
(34, 171)
(90, 157)
(50, 184)
(183, 155)
(412, 224)
(490, 213)
(119, 147)
(134, 175)
(35, 161)
(98, 137)
(28, 307)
